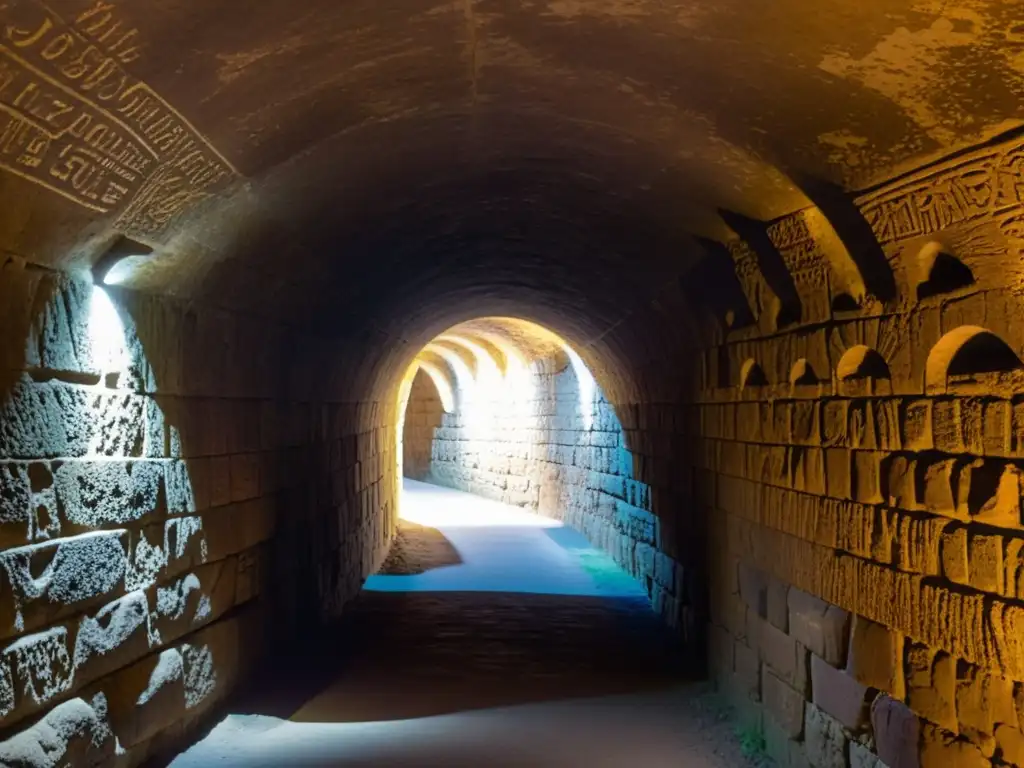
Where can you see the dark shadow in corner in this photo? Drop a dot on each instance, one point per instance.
(855, 233)
(773, 266)
(418, 549)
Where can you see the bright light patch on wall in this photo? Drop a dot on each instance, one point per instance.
(106, 333)
(587, 386)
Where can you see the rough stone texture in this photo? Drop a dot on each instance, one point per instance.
(138, 514)
(804, 315)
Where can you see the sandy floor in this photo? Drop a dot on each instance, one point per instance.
(492, 637)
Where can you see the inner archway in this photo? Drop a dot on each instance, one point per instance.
(506, 410)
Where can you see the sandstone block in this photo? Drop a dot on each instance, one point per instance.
(778, 604)
(244, 469)
(838, 473)
(820, 627)
(931, 684)
(754, 589)
(876, 657)
(73, 733)
(838, 694)
(782, 703)
(783, 751)
(954, 555)
(220, 480)
(866, 477)
(916, 421)
(785, 655)
(54, 420)
(746, 671)
(192, 600)
(825, 741)
(862, 757)
(115, 635)
(15, 500)
(40, 667)
(146, 697)
(941, 749)
(95, 494)
(985, 554)
(983, 699)
(72, 573)
(1010, 742)
(897, 733)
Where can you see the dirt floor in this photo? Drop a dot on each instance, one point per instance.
(490, 637)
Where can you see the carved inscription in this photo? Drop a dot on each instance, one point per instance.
(74, 121)
(795, 243)
(989, 184)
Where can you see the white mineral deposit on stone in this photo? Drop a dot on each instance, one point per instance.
(172, 601)
(41, 663)
(79, 568)
(6, 691)
(200, 674)
(97, 493)
(204, 610)
(46, 744)
(147, 562)
(112, 626)
(169, 667)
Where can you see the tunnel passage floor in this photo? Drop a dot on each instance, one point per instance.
(491, 636)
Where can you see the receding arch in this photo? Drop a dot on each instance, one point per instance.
(752, 374)
(968, 350)
(861, 362)
(445, 391)
(802, 373)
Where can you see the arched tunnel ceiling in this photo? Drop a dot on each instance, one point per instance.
(344, 160)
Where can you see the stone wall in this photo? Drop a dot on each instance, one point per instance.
(858, 450)
(163, 500)
(549, 445)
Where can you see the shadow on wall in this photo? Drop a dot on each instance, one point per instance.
(424, 414)
(145, 450)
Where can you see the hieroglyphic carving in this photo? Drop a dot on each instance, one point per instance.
(762, 301)
(805, 261)
(989, 183)
(74, 121)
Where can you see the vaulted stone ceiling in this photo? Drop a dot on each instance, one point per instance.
(350, 160)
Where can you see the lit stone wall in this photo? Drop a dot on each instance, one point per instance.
(164, 500)
(552, 446)
(859, 463)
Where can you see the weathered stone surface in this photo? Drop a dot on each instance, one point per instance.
(931, 684)
(839, 694)
(876, 657)
(825, 742)
(941, 749)
(820, 627)
(147, 696)
(15, 497)
(71, 572)
(754, 589)
(95, 494)
(73, 733)
(785, 655)
(862, 757)
(897, 733)
(782, 703)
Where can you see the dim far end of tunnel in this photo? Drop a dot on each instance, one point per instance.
(547, 383)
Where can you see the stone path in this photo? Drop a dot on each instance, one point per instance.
(491, 637)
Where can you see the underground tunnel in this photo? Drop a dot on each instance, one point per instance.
(537, 383)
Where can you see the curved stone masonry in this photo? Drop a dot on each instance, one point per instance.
(806, 319)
